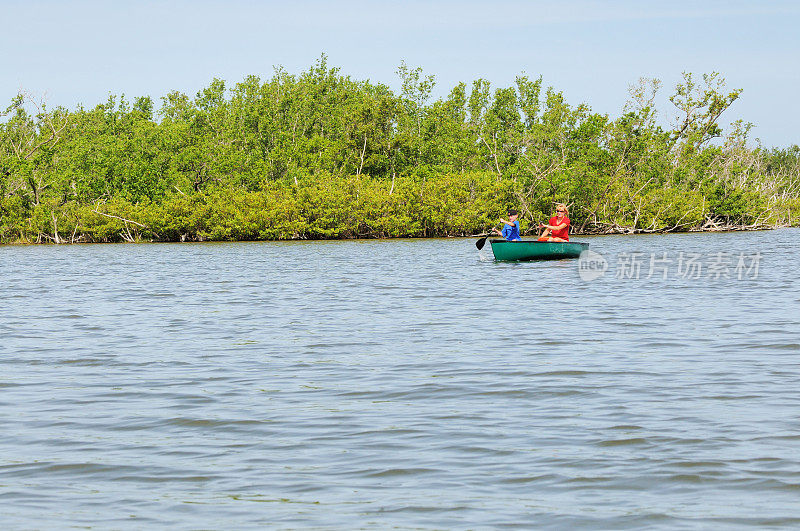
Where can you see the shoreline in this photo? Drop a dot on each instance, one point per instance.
(389, 238)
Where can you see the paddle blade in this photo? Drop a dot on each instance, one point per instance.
(480, 243)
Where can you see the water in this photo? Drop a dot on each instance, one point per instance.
(398, 383)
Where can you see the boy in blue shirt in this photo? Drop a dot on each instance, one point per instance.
(511, 227)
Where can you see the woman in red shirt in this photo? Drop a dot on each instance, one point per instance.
(558, 228)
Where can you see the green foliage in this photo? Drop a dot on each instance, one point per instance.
(321, 155)
(734, 205)
(700, 109)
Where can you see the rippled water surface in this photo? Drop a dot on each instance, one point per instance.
(415, 384)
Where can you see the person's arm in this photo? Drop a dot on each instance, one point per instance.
(555, 227)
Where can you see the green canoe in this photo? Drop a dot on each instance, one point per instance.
(536, 250)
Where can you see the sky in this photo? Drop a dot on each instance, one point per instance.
(77, 52)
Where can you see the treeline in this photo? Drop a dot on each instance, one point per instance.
(321, 155)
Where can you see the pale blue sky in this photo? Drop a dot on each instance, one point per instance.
(79, 51)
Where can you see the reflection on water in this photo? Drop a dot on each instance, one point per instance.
(397, 383)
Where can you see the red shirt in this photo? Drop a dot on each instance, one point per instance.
(560, 233)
